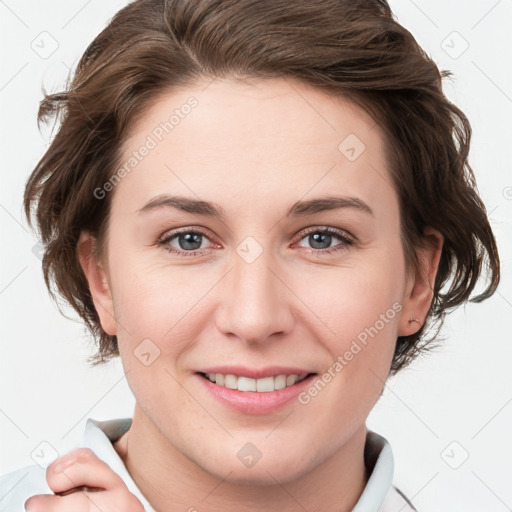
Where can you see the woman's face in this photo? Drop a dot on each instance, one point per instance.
(288, 261)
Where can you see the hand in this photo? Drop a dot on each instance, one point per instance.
(83, 483)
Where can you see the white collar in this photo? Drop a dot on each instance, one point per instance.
(99, 436)
(379, 491)
(379, 458)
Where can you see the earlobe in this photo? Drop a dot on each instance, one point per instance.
(420, 291)
(98, 282)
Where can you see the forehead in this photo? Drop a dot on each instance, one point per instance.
(241, 143)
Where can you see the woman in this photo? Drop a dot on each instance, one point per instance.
(264, 208)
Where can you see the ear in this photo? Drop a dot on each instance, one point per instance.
(420, 287)
(98, 282)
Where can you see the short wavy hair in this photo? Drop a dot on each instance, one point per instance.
(351, 48)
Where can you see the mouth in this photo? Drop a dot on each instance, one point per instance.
(248, 384)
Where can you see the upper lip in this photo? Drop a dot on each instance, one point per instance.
(256, 373)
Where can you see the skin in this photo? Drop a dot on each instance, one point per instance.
(254, 148)
(77, 468)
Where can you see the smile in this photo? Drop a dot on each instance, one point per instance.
(263, 385)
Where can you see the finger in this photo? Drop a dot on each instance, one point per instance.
(106, 501)
(78, 502)
(81, 467)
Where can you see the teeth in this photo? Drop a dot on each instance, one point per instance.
(231, 382)
(291, 380)
(280, 382)
(246, 384)
(263, 385)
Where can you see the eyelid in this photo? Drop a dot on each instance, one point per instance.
(327, 229)
(187, 229)
(347, 239)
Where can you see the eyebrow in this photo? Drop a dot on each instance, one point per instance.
(299, 209)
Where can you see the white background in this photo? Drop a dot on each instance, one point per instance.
(461, 393)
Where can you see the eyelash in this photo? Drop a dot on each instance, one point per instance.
(346, 241)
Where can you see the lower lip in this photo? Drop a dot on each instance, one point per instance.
(253, 402)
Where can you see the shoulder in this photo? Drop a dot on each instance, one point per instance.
(19, 485)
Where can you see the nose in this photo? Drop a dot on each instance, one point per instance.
(255, 303)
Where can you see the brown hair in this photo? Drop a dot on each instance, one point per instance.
(345, 47)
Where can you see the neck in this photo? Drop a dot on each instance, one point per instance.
(172, 482)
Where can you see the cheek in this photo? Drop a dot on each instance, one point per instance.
(362, 309)
(160, 302)
(349, 298)
(360, 303)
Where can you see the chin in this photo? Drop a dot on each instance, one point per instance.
(264, 477)
(262, 473)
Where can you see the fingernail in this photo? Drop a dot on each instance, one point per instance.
(61, 466)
